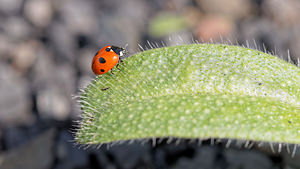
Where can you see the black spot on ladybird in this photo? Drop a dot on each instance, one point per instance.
(102, 70)
(102, 60)
(107, 49)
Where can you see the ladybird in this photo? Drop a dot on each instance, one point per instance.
(107, 58)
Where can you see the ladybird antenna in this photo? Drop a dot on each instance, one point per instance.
(125, 48)
(126, 45)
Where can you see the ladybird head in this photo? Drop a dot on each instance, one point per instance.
(118, 50)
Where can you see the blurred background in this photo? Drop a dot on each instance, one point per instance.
(46, 48)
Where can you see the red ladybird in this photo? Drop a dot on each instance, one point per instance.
(106, 58)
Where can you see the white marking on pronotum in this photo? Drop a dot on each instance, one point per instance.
(121, 53)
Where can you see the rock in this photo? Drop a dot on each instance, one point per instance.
(291, 156)
(247, 159)
(267, 35)
(55, 85)
(129, 156)
(192, 16)
(295, 50)
(17, 28)
(231, 9)
(62, 41)
(100, 160)
(212, 27)
(289, 11)
(68, 155)
(39, 12)
(24, 57)
(64, 77)
(79, 16)
(43, 68)
(112, 24)
(36, 154)
(85, 58)
(14, 137)
(216, 157)
(159, 159)
(15, 101)
(205, 157)
(5, 46)
(10, 6)
(1, 142)
(53, 104)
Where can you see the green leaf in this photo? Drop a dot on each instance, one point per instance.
(194, 91)
(165, 24)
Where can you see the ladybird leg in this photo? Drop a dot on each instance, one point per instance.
(112, 71)
(120, 60)
(118, 66)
